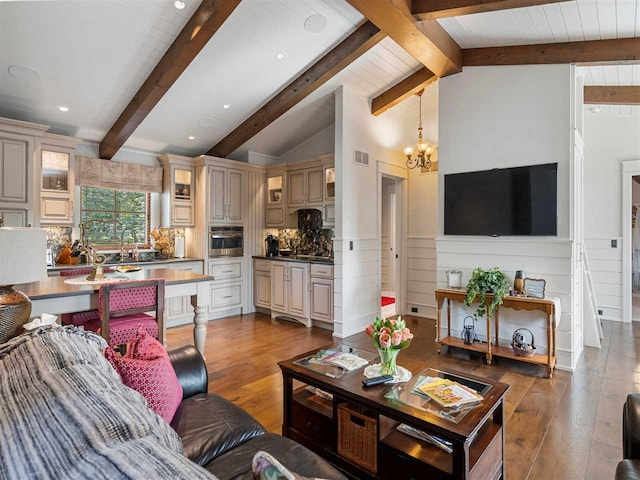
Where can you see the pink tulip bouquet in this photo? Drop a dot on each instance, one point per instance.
(389, 337)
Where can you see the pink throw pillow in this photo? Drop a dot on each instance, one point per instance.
(147, 369)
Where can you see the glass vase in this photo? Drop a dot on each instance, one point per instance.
(388, 358)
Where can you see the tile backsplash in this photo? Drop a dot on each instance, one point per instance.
(309, 238)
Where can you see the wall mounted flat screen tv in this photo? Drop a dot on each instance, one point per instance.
(503, 201)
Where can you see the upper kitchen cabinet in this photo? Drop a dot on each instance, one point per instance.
(178, 208)
(225, 195)
(19, 142)
(275, 214)
(57, 179)
(330, 184)
(304, 187)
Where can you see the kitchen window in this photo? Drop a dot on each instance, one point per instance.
(130, 209)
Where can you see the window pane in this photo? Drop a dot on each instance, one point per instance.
(128, 208)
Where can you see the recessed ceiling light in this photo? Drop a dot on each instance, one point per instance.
(281, 55)
(191, 137)
(62, 108)
(315, 23)
(226, 106)
(179, 4)
(24, 72)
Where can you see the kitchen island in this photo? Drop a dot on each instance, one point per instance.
(53, 295)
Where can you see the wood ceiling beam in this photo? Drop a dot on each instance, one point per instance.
(612, 95)
(593, 51)
(364, 38)
(199, 29)
(432, 9)
(402, 90)
(427, 41)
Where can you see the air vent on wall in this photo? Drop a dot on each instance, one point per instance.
(361, 158)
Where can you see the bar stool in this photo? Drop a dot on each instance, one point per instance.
(80, 318)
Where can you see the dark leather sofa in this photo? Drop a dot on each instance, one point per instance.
(222, 437)
(629, 468)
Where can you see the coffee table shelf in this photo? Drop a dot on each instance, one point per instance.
(477, 436)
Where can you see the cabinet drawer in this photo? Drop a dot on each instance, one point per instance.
(324, 271)
(226, 271)
(262, 265)
(226, 296)
(194, 267)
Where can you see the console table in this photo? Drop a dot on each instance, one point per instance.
(517, 303)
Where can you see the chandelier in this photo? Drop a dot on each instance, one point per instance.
(423, 158)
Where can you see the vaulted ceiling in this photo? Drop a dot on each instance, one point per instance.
(93, 56)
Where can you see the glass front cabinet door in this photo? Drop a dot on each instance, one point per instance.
(275, 201)
(56, 195)
(330, 184)
(182, 212)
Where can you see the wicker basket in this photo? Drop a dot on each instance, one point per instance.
(523, 352)
(358, 437)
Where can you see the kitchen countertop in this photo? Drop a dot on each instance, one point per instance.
(59, 266)
(298, 258)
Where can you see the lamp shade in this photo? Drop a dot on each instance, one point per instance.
(23, 255)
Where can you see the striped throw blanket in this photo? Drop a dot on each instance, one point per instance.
(65, 414)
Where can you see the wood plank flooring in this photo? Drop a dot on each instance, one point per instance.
(569, 427)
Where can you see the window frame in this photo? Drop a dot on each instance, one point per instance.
(145, 243)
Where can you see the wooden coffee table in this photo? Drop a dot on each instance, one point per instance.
(355, 427)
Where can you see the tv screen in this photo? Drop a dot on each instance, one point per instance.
(503, 201)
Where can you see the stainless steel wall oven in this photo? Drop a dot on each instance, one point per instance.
(226, 242)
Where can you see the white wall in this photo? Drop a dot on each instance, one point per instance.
(499, 117)
(321, 143)
(357, 284)
(608, 140)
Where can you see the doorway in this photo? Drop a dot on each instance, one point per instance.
(389, 247)
(631, 240)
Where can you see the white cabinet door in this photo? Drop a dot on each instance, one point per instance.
(321, 299)
(329, 215)
(217, 195)
(182, 214)
(279, 290)
(274, 217)
(298, 288)
(295, 188)
(234, 197)
(13, 218)
(58, 210)
(13, 170)
(262, 289)
(315, 186)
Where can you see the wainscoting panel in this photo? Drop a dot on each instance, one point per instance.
(421, 273)
(606, 272)
(550, 260)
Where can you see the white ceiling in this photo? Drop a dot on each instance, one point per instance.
(93, 55)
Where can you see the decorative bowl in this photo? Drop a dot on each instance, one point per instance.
(285, 253)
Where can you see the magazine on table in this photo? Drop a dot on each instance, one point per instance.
(346, 361)
(447, 393)
(439, 442)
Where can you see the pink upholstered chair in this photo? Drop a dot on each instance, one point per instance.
(80, 318)
(122, 306)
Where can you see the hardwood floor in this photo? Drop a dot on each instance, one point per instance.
(569, 427)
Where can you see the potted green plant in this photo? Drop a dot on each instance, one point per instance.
(484, 282)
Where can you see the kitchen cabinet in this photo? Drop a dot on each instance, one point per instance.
(274, 214)
(305, 188)
(289, 288)
(14, 168)
(225, 196)
(262, 283)
(226, 289)
(321, 302)
(57, 182)
(329, 184)
(178, 207)
(13, 217)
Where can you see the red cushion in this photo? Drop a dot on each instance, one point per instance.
(146, 368)
(122, 328)
(387, 301)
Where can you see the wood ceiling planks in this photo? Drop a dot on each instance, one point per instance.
(426, 41)
(199, 29)
(433, 9)
(364, 38)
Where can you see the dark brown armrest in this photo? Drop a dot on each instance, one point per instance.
(631, 427)
(190, 370)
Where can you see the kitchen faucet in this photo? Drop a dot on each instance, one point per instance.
(124, 255)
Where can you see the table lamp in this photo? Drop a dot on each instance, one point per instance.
(23, 254)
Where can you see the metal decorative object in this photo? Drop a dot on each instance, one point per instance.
(15, 310)
(423, 158)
